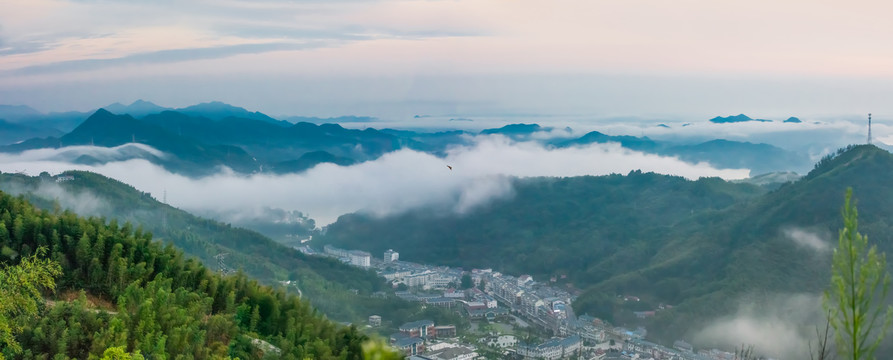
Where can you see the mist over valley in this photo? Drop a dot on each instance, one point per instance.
(445, 180)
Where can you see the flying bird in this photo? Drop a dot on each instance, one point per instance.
(451, 168)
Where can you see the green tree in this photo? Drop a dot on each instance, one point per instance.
(119, 353)
(378, 350)
(20, 293)
(859, 285)
(466, 282)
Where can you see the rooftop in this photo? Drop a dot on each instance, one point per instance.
(408, 341)
(416, 324)
(451, 353)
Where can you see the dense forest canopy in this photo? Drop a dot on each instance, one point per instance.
(133, 292)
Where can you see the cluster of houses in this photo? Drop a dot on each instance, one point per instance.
(543, 305)
(419, 337)
(421, 277)
(641, 349)
(354, 257)
(552, 349)
(540, 304)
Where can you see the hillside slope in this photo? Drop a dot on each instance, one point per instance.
(166, 305)
(326, 283)
(586, 228)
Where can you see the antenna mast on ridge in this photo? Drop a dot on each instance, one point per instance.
(869, 128)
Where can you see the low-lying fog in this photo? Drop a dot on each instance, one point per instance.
(395, 182)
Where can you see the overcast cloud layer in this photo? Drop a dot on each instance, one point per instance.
(689, 58)
(396, 182)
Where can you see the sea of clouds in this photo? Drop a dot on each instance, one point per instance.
(394, 183)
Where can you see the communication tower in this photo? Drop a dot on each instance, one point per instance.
(869, 128)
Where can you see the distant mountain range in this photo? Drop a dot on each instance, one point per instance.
(744, 118)
(331, 120)
(205, 136)
(138, 108)
(11, 132)
(735, 119)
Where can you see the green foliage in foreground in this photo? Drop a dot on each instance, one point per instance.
(118, 353)
(164, 305)
(859, 284)
(20, 287)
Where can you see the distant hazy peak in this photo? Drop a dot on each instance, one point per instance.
(101, 112)
(735, 119)
(515, 129)
(17, 112)
(141, 102)
(217, 110)
(138, 108)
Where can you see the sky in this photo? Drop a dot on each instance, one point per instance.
(684, 59)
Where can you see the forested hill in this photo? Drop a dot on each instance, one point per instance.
(156, 300)
(584, 227)
(701, 245)
(260, 257)
(342, 292)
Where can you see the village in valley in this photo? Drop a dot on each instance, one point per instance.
(511, 317)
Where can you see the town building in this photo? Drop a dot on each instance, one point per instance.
(421, 328)
(375, 320)
(391, 275)
(650, 349)
(360, 258)
(555, 348)
(419, 279)
(454, 294)
(445, 331)
(503, 341)
(453, 353)
(683, 346)
(440, 302)
(391, 256)
(409, 345)
(440, 281)
(333, 251)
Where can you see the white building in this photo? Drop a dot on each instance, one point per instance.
(555, 348)
(395, 274)
(503, 341)
(375, 320)
(360, 258)
(331, 250)
(452, 353)
(391, 256)
(419, 279)
(491, 302)
(440, 281)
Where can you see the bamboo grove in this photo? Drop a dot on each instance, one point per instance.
(159, 302)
